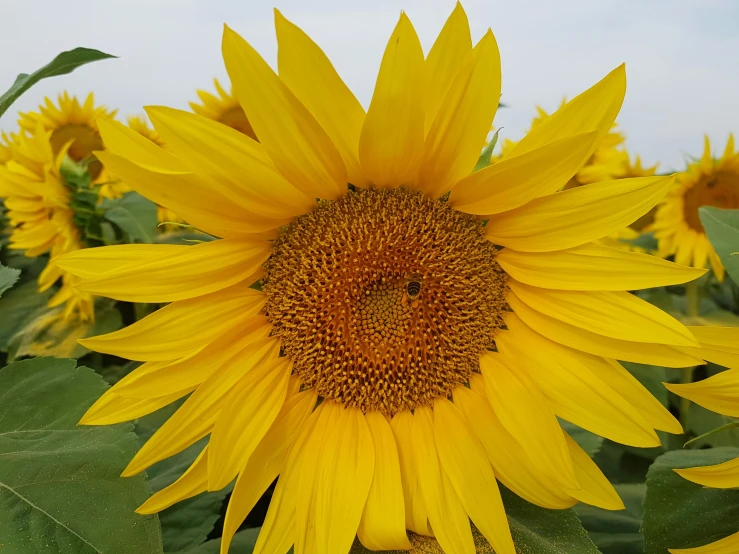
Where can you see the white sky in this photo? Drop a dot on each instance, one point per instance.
(682, 56)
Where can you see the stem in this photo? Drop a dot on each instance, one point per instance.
(692, 307)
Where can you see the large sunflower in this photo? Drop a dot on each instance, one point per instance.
(719, 393)
(224, 108)
(42, 221)
(406, 347)
(677, 224)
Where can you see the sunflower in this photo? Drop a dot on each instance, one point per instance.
(720, 394)
(224, 108)
(417, 327)
(42, 221)
(6, 142)
(677, 225)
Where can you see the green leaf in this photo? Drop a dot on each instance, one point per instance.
(60, 484)
(18, 306)
(135, 215)
(243, 543)
(487, 153)
(589, 442)
(616, 532)
(681, 514)
(701, 421)
(64, 63)
(722, 228)
(186, 524)
(8, 278)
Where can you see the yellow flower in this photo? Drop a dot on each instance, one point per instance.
(720, 394)
(6, 142)
(42, 221)
(677, 225)
(224, 108)
(406, 347)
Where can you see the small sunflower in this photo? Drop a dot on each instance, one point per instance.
(418, 327)
(677, 224)
(224, 108)
(720, 394)
(42, 221)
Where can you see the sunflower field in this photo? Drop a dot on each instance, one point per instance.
(282, 321)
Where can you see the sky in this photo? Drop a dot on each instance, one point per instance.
(682, 56)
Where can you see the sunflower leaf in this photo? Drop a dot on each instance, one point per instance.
(134, 215)
(681, 514)
(8, 278)
(60, 485)
(64, 63)
(18, 306)
(242, 543)
(722, 228)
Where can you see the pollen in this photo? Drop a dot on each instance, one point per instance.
(385, 299)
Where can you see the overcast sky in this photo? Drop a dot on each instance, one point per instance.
(682, 56)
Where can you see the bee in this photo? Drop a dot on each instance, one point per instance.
(413, 288)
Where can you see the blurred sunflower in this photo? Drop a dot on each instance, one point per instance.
(224, 108)
(407, 346)
(42, 221)
(6, 141)
(706, 182)
(720, 394)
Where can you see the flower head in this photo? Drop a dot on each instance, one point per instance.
(381, 327)
(224, 108)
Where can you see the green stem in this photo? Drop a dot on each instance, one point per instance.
(692, 308)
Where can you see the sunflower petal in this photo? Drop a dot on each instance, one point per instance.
(462, 123)
(391, 142)
(719, 393)
(383, 521)
(91, 263)
(593, 110)
(719, 476)
(576, 216)
(181, 328)
(465, 462)
(308, 72)
(191, 483)
(113, 408)
(595, 489)
(593, 267)
(728, 545)
(525, 413)
(297, 144)
(127, 143)
(512, 182)
(618, 315)
(599, 345)
(446, 514)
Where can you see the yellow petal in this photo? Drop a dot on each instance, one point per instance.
(511, 464)
(180, 273)
(719, 476)
(190, 198)
(593, 267)
(383, 521)
(308, 72)
(391, 142)
(196, 417)
(576, 216)
(719, 393)
(344, 480)
(465, 462)
(90, 263)
(113, 408)
(728, 545)
(297, 144)
(267, 461)
(444, 61)
(446, 514)
(512, 182)
(232, 163)
(618, 315)
(181, 328)
(599, 345)
(593, 110)
(571, 385)
(169, 377)
(595, 489)
(123, 141)
(416, 518)
(462, 123)
(190, 483)
(525, 413)
(248, 411)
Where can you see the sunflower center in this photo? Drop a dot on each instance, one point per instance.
(385, 299)
(85, 140)
(719, 189)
